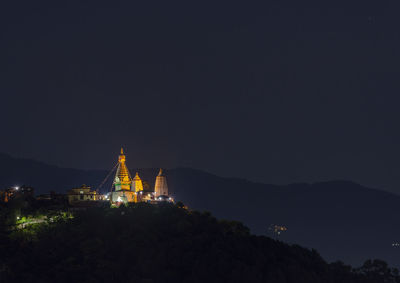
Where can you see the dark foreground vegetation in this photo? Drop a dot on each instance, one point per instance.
(163, 243)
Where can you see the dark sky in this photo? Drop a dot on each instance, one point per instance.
(276, 92)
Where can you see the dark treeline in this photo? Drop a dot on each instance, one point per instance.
(163, 243)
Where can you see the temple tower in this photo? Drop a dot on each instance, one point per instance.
(137, 184)
(122, 183)
(161, 187)
(122, 180)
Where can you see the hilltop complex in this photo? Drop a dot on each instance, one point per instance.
(125, 189)
(128, 189)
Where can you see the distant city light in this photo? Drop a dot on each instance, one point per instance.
(277, 230)
(17, 188)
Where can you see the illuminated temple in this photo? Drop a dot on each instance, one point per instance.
(128, 189)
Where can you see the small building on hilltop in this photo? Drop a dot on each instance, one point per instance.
(16, 192)
(81, 194)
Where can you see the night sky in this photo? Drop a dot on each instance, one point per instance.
(276, 92)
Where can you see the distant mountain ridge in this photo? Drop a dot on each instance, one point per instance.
(43, 177)
(341, 219)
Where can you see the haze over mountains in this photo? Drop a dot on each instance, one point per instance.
(341, 219)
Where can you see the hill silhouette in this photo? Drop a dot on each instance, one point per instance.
(341, 219)
(164, 243)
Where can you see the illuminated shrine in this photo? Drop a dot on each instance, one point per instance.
(127, 189)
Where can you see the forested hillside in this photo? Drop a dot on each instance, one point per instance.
(341, 219)
(163, 243)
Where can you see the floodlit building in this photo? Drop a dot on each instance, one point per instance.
(161, 187)
(145, 196)
(81, 194)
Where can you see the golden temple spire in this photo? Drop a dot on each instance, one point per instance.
(122, 175)
(121, 158)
